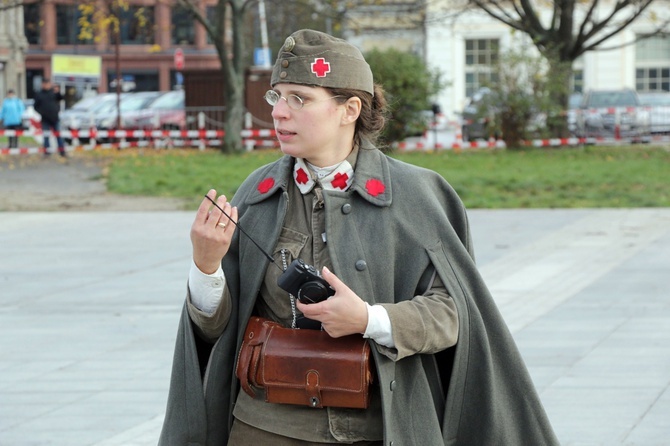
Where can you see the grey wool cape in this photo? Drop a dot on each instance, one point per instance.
(402, 221)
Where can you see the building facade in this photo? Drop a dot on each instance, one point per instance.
(463, 46)
(151, 33)
(13, 46)
(386, 24)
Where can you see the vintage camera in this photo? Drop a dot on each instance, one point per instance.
(305, 283)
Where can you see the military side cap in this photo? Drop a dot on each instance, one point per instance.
(315, 58)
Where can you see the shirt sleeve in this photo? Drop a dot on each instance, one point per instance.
(206, 290)
(379, 326)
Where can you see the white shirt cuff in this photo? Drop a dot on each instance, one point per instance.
(379, 326)
(206, 289)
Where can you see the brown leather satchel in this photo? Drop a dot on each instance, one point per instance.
(305, 367)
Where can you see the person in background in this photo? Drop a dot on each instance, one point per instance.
(393, 242)
(10, 114)
(47, 104)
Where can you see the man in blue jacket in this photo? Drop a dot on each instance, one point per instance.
(10, 114)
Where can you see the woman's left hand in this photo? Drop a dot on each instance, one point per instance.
(340, 315)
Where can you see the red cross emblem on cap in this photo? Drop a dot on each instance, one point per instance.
(320, 67)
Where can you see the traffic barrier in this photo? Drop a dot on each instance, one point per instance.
(252, 138)
(265, 138)
(98, 134)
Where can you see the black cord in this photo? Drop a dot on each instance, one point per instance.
(245, 233)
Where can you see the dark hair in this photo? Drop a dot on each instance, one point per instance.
(374, 111)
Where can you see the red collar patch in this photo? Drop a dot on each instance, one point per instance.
(375, 187)
(265, 185)
(301, 176)
(340, 181)
(320, 67)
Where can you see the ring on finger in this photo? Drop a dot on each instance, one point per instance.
(223, 225)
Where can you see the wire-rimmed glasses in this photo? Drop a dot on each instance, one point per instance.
(294, 101)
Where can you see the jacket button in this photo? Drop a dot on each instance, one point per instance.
(361, 265)
(391, 443)
(346, 208)
(393, 385)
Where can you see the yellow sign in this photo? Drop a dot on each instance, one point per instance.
(80, 66)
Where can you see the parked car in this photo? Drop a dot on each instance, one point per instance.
(658, 107)
(612, 113)
(130, 103)
(574, 102)
(167, 112)
(82, 114)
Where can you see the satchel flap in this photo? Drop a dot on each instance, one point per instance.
(290, 356)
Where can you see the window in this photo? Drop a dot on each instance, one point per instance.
(137, 80)
(67, 25)
(31, 23)
(481, 56)
(137, 25)
(652, 79)
(211, 18)
(652, 64)
(183, 26)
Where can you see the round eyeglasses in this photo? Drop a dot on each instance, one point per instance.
(294, 101)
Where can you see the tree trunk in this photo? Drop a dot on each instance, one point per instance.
(561, 75)
(233, 67)
(234, 121)
(512, 124)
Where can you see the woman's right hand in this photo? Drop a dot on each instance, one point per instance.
(209, 239)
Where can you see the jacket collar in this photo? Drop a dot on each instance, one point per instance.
(372, 180)
(337, 178)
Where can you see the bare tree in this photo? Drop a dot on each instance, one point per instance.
(229, 15)
(571, 28)
(226, 30)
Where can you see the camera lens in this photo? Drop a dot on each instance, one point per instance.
(312, 292)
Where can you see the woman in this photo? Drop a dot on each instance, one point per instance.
(11, 113)
(392, 240)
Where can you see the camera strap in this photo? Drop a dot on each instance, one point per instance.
(294, 312)
(298, 321)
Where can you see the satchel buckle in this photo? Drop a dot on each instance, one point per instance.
(312, 388)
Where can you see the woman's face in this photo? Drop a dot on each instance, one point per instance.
(321, 131)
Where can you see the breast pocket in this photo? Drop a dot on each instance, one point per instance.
(275, 302)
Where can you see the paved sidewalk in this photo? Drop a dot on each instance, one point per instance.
(89, 305)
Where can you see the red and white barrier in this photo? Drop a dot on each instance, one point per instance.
(141, 138)
(265, 138)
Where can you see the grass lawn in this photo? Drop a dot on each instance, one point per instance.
(24, 141)
(591, 176)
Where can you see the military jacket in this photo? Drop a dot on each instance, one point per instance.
(395, 222)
